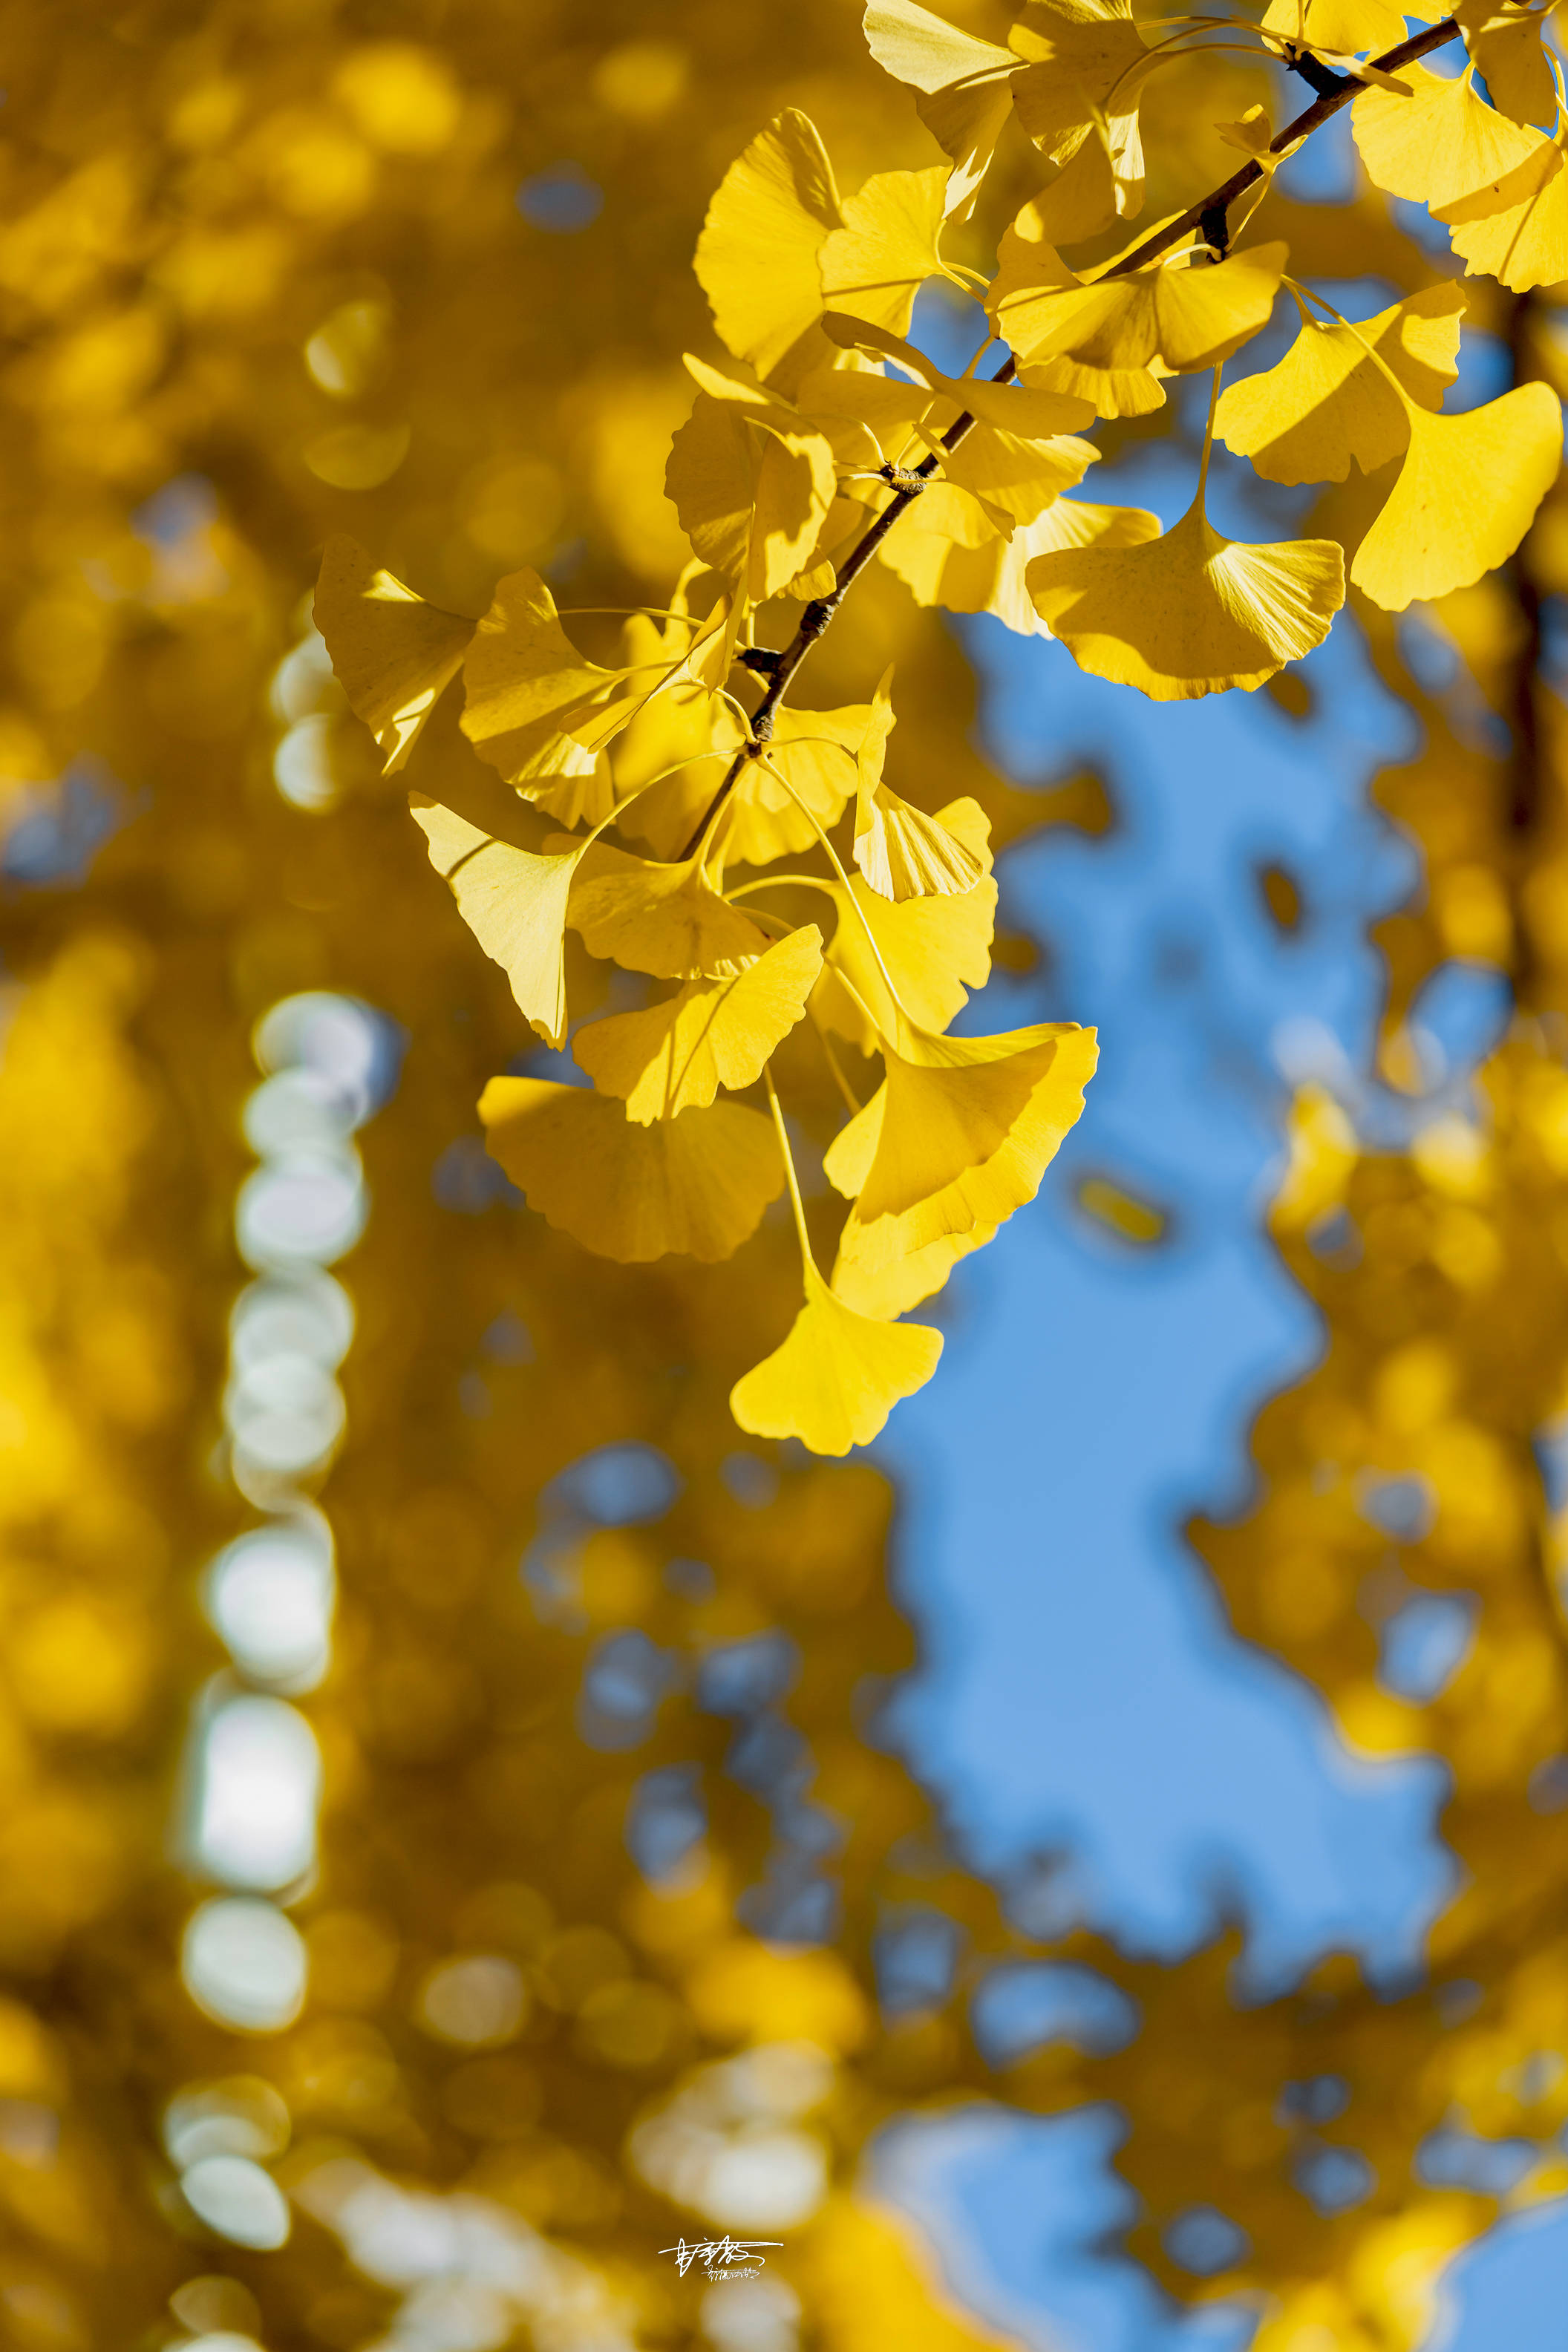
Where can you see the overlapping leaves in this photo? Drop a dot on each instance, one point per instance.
(679, 773)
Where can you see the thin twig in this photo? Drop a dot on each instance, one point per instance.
(1206, 215)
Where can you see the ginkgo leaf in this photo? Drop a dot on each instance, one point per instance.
(837, 1375)
(964, 86)
(535, 708)
(1444, 143)
(1466, 496)
(695, 1185)
(752, 488)
(1506, 46)
(1018, 479)
(948, 1104)
(663, 919)
(902, 851)
(1192, 612)
(934, 949)
(957, 1137)
(877, 263)
(393, 653)
(513, 902)
(1518, 235)
(905, 854)
(676, 1056)
(893, 1289)
(814, 752)
(1104, 339)
(1086, 64)
(1328, 401)
(1344, 27)
(778, 200)
(1020, 452)
(990, 578)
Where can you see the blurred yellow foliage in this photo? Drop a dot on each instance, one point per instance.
(278, 272)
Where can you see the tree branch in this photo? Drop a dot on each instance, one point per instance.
(1207, 214)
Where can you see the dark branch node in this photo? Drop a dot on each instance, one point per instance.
(1214, 227)
(905, 479)
(762, 660)
(1314, 73)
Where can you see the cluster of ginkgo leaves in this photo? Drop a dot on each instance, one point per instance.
(829, 437)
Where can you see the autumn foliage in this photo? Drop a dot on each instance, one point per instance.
(796, 465)
(601, 1857)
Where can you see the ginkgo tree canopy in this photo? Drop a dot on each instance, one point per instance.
(751, 868)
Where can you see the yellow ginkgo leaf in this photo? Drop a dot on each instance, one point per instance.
(1328, 401)
(958, 1137)
(902, 851)
(837, 1375)
(695, 1185)
(1518, 235)
(1466, 496)
(1252, 135)
(1088, 62)
(990, 578)
(779, 200)
(1018, 479)
(1192, 612)
(1020, 452)
(812, 752)
(877, 263)
(393, 653)
(1104, 339)
(675, 1056)
(1344, 27)
(893, 1289)
(964, 86)
(513, 902)
(948, 1105)
(535, 708)
(751, 485)
(1444, 143)
(934, 949)
(663, 919)
(1506, 46)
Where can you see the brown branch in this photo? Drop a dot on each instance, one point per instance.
(1207, 214)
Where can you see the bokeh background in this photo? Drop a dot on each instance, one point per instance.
(1093, 1874)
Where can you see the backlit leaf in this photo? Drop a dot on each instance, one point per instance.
(777, 200)
(1192, 612)
(392, 651)
(534, 706)
(877, 263)
(713, 1033)
(1466, 496)
(695, 1185)
(990, 578)
(1102, 338)
(752, 491)
(958, 1137)
(1328, 401)
(1517, 233)
(513, 902)
(1506, 44)
(1444, 143)
(837, 1375)
(934, 949)
(663, 919)
(965, 86)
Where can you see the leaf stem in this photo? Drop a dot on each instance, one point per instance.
(818, 614)
(794, 1200)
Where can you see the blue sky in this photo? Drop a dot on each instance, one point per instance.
(1082, 1694)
